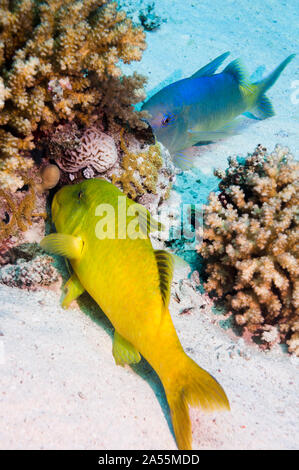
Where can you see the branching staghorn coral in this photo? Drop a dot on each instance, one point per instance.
(140, 171)
(250, 242)
(58, 60)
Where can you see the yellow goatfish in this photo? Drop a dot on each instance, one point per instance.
(131, 283)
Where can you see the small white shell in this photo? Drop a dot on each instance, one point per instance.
(88, 173)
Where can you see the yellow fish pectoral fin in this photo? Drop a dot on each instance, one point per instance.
(63, 244)
(123, 351)
(74, 289)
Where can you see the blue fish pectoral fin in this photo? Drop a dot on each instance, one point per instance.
(73, 289)
(232, 128)
(123, 351)
(63, 244)
(263, 108)
(185, 159)
(250, 115)
(210, 68)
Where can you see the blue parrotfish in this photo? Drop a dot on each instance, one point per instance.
(205, 107)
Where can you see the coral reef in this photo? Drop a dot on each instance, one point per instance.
(22, 214)
(19, 211)
(59, 61)
(28, 267)
(250, 243)
(140, 170)
(143, 170)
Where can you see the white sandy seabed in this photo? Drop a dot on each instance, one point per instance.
(59, 385)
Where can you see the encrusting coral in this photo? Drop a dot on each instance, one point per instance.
(141, 170)
(27, 266)
(19, 211)
(58, 61)
(250, 243)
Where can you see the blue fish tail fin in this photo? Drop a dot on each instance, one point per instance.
(269, 81)
(263, 107)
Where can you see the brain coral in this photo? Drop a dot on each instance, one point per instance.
(95, 149)
(250, 242)
(59, 61)
(141, 169)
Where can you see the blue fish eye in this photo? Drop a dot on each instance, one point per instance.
(167, 119)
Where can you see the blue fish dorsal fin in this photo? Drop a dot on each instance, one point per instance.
(238, 71)
(210, 68)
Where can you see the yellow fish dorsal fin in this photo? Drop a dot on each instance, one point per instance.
(165, 267)
(63, 244)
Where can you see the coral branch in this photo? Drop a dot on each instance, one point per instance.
(59, 60)
(251, 242)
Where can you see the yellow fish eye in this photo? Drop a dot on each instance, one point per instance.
(80, 194)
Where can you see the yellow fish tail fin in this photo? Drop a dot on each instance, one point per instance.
(195, 387)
